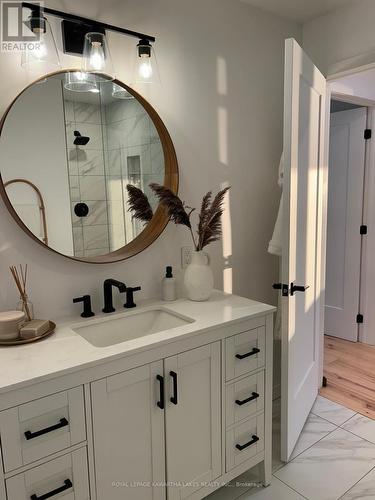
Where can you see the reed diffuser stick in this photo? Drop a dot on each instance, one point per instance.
(21, 285)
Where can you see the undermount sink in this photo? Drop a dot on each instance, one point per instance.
(109, 331)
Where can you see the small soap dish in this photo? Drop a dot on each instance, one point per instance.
(20, 341)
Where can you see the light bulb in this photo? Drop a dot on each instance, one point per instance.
(145, 65)
(145, 68)
(97, 56)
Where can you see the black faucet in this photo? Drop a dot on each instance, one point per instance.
(130, 296)
(87, 311)
(107, 289)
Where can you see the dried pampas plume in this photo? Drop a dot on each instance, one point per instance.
(209, 227)
(139, 204)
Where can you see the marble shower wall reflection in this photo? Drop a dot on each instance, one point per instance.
(123, 147)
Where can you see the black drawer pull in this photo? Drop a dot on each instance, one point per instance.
(160, 403)
(255, 350)
(31, 435)
(254, 439)
(67, 484)
(174, 378)
(253, 396)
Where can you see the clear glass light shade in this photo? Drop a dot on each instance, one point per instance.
(120, 93)
(145, 65)
(41, 55)
(96, 57)
(77, 81)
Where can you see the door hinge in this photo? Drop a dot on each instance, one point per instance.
(359, 318)
(367, 134)
(324, 382)
(363, 229)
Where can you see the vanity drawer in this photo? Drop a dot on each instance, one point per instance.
(37, 429)
(244, 398)
(245, 352)
(65, 477)
(244, 441)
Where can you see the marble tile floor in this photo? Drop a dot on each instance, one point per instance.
(333, 459)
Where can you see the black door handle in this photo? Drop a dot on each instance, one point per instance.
(253, 396)
(241, 447)
(31, 435)
(255, 350)
(67, 484)
(297, 288)
(174, 378)
(160, 403)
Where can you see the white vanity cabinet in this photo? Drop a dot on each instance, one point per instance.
(130, 412)
(128, 430)
(173, 420)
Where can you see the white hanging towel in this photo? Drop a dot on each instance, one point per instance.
(275, 245)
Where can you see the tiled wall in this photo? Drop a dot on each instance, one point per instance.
(87, 176)
(130, 139)
(121, 136)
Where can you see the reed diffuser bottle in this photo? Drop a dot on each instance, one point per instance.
(20, 279)
(26, 306)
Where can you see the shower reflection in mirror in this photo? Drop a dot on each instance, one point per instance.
(90, 146)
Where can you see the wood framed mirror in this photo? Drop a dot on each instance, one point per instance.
(79, 143)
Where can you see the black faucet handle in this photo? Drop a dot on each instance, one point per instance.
(87, 311)
(130, 296)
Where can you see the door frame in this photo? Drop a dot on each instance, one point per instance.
(323, 196)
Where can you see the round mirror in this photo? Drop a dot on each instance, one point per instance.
(69, 147)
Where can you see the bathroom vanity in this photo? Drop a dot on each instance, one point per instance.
(166, 401)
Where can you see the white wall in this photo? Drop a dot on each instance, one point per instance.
(221, 64)
(33, 147)
(346, 34)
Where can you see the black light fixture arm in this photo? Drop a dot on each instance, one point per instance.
(84, 20)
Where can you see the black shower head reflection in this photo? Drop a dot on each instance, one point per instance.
(80, 140)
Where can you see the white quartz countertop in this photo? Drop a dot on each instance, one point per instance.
(65, 351)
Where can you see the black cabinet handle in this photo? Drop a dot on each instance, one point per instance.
(174, 378)
(67, 484)
(31, 435)
(254, 439)
(160, 403)
(251, 353)
(253, 396)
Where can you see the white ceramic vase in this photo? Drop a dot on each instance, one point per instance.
(198, 279)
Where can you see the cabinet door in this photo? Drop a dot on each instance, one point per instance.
(193, 423)
(129, 435)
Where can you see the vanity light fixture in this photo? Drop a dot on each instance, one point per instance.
(96, 56)
(42, 54)
(146, 69)
(87, 37)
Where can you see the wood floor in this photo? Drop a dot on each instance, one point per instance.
(350, 371)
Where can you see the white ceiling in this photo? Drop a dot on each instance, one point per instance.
(300, 11)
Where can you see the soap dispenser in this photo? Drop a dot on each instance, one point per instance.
(169, 285)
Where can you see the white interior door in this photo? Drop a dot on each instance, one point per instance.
(345, 206)
(304, 116)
